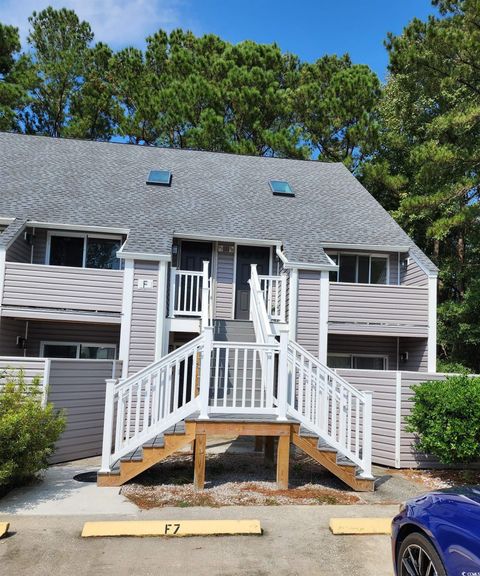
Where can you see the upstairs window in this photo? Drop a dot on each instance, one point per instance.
(160, 177)
(83, 251)
(360, 269)
(281, 188)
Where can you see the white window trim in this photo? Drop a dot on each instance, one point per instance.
(84, 235)
(44, 343)
(352, 356)
(370, 256)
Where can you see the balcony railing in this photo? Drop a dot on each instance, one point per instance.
(275, 296)
(62, 287)
(190, 294)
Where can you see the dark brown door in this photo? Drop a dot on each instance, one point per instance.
(193, 254)
(247, 255)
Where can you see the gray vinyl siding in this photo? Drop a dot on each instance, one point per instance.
(41, 331)
(78, 388)
(61, 287)
(70, 332)
(32, 367)
(383, 346)
(308, 310)
(376, 304)
(40, 246)
(413, 275)
(417, 349)
(224, 285)
(144, 317)
(374, 345)
(9, 330)
(19, 250)
(409, 457)
(382, 384)
(384, 414)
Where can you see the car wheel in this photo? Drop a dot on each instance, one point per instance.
(417, 557)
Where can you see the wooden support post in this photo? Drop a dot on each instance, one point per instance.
(258, 443)
(200, 457)
(269, 449)
(283, 461)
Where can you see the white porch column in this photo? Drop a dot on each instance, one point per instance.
(161, 338)
(3, 253)
(124, 352)
(282, 388)
(432, 324)
(108, 426)
(204, 395)
(323, 326)
(293, 303)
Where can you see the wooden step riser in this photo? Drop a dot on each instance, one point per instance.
(345, 473)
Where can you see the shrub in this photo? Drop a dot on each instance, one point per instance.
(28, 430)
(445, 416)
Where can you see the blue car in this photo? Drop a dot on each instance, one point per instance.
(438, 534)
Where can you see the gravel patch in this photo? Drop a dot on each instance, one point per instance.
(236, 475)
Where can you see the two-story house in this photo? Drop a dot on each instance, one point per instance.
(115, 251)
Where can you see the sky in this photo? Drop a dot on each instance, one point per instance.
(308, 28)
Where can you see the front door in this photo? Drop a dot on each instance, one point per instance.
(193, 254)
(247, 255)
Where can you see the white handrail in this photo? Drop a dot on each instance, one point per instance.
(149, 402)
(258, 310)
(331, 407)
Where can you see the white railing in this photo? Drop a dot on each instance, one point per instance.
(331, 407)
(275, 296)
(242, 378)
(149, 402)
(258, 310)
(189, 292)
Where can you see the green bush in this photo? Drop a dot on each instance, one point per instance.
(446, 419)
(28, 430)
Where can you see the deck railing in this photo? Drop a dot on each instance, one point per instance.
(275, 295)
(190, 293)
(149, 402)
(242, 378)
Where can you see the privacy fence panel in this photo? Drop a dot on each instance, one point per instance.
(78, 387)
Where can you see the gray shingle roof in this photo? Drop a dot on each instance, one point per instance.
(103, 184)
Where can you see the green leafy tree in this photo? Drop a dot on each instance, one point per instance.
(335, 104)
(60, 45)
(426, 169)
(15, 79)
(93, 111)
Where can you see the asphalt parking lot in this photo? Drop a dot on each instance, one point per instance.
(296, 541)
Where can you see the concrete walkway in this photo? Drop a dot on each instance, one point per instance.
(296, 541)
(59, 494)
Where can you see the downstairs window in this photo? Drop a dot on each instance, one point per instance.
(78, 350)
(357, 361)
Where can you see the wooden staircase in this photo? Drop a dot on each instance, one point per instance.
(328, 457)
(184, 433)
(149, 454)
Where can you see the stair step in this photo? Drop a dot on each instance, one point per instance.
(324, 447)
(343, 461)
